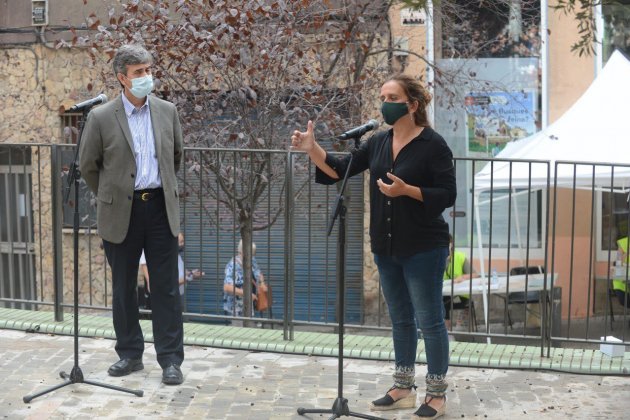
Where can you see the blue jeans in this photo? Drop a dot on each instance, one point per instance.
(413, 291)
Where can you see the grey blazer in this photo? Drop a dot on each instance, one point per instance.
(107, 163)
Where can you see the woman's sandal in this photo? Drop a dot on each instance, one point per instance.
(426, 412)
(388, 403)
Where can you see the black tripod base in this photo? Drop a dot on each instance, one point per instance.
(76, 377)
(339, 408)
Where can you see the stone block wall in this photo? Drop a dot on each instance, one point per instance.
(35, 82)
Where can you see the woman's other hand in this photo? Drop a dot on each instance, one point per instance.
(397, 188)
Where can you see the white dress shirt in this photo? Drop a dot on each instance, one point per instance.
(147, 168)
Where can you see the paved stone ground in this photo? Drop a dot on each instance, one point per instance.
(234, 384)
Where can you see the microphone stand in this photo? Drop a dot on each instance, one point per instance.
(340, 406)
(76, 375)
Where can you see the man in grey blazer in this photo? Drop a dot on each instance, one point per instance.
(129, 154)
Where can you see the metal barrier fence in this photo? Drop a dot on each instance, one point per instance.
(547, 241)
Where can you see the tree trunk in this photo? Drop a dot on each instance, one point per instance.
(246, 237)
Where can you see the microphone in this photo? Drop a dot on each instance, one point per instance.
(360, 130)
(100, 99)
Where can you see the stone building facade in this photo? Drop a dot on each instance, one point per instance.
(37, 81)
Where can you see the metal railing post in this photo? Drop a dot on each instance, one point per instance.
(288, 243)
(56, 198)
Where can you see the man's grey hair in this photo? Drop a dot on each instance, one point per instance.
(129, 55)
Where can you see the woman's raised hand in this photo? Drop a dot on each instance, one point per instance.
(303, 141)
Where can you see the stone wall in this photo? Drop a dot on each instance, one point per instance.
(94, 273)
(35, 81)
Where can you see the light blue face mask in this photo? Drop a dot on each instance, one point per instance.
(141, 86)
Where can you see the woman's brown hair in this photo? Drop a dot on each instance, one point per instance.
(416, 93)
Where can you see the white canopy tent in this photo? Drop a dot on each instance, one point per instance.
(595, 130)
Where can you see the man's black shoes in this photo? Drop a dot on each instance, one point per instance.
(124, 367)
(172, 375)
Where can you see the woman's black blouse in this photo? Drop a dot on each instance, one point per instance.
(404, 226)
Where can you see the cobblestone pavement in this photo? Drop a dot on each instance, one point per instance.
(234, 384)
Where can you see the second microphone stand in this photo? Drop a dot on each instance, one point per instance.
(340, 406)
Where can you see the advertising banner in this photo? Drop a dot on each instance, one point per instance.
(495, 118)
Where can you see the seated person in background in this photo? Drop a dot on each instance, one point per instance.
(184, 275)
(233, 282)
(458, 270)
(619, 282)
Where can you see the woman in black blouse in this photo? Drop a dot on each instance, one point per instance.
(412, 181)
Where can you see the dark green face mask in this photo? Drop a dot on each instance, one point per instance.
(393, 111)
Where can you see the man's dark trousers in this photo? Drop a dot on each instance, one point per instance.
(148, 230)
